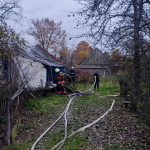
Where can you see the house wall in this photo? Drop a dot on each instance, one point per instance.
(34, 71)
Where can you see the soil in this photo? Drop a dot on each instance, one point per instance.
(120, 127)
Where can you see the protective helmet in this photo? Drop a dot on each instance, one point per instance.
(57, 70)
(72, 67)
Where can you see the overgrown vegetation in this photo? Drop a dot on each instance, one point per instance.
(119, 130)
(125, 77)
(47, 104)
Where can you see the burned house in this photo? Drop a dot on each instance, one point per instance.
(33, 65)
(38, 66)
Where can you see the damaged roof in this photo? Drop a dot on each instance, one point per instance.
(37, 54)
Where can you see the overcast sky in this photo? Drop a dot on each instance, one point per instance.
(56, 10)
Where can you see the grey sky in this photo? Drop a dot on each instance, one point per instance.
(56, 10)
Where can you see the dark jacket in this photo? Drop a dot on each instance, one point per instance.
(60, 78)
(97, 76)
(72, 73)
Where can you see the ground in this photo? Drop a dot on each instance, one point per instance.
(120, 129)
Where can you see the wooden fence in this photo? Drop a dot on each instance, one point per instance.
(11, 108)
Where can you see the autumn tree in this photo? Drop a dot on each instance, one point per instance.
(115, 56)
(82, 51)
(48, 34)
(118, 24)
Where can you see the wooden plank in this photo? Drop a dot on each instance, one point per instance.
(18, 111)
(8, 122)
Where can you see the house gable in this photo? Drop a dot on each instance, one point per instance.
(96, 58)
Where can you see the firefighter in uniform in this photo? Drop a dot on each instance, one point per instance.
(72, 74)
(60, 82)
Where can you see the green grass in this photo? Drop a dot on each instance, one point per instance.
(112, 147)
(72, 143)
(108, 86)
(46, 105)
(83, 107)
(76, 142)
(19, 146)
(79, 86)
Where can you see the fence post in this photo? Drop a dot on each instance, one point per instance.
(8, 121)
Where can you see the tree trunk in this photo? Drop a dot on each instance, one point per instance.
(137, 77)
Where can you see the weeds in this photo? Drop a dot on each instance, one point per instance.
(53, 104)
(47, 105)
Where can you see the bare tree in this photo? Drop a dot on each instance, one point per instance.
(11, 9)
(118, 24)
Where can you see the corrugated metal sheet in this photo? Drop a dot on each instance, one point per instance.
(37, 55)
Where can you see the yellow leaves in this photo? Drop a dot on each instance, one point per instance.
(116, 55)
(82, 51)
(82, 54)
(64, 51)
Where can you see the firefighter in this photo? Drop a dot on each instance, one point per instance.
(96, 75)
(60, 82)
(72, 74)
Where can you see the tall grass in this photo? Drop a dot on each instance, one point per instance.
(53, 105)
(47, 104)
(108, 85)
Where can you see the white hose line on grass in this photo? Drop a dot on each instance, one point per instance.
(87, 126)
(63, 141)
(65, 115)
(92, 85)
(54, 122)
(87, 89)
